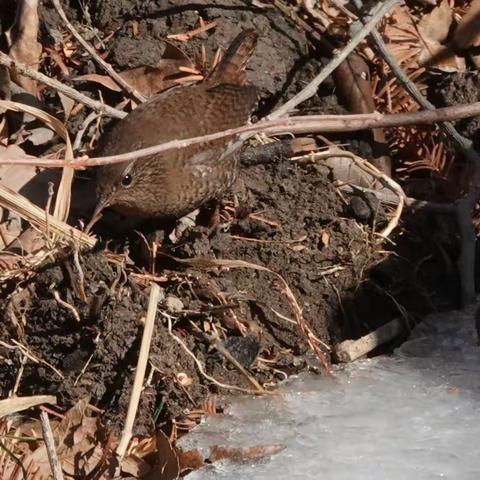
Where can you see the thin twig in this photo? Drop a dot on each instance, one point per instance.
(140, 371)
(106, 66)
(55, 84)
(50, 445)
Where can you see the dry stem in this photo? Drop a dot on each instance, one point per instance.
(140, 371)
(50, 446)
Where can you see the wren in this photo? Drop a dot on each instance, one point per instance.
(174, 184)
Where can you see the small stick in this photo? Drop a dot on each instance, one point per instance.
(140, 371)
(50, 445)
(351, 350)
(106, 66)
(70, 92)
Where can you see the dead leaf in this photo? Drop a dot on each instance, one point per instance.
(82, 446)
(352, 78)
(433, 29)
(150, 80)
(40, 135)
(17, 404)
(67, 104)
(218, 453)
(147, 80)
(190, 460)
(467, 33)
(135, 466)
(167, 467)
(434, 26)
(23, 43)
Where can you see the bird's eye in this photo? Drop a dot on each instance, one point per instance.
(127, 180)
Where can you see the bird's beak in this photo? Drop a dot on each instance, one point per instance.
(103, 203)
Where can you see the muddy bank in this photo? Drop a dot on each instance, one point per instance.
(81, 319)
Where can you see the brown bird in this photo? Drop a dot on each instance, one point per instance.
(178, 182)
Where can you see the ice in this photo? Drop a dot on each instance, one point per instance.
(415, 414)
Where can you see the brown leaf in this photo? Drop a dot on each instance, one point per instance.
(24, 46)
(434, 26)
(147, 80)
(104, 80)
(150, 81)
(80, 445)
(353, 82)
(9, 406)
(167, 467)
(135, 466)
(467, 33)
(240, 454)
(352, 79)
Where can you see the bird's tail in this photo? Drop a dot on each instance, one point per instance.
(231, 69)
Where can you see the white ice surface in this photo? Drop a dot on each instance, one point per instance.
(414, 415)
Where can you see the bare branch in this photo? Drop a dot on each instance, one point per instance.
(299, 124)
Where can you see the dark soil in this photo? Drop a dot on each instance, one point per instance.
(345, 286)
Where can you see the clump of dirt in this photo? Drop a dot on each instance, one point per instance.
(460, 88)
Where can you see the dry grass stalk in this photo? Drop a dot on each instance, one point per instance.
(140, 370)
(50, 445)
(12, 200)
(13, 405)
(62, 202)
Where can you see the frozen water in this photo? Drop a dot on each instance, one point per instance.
(415, 414)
